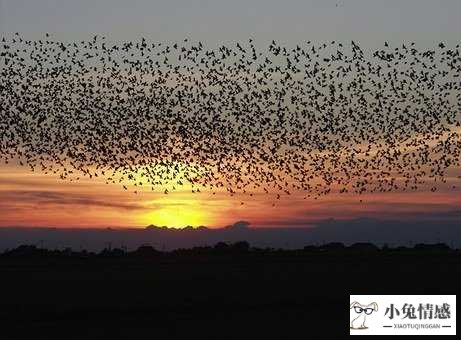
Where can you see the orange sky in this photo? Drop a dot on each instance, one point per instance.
(35, 199)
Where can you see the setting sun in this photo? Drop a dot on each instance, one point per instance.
(178, 214)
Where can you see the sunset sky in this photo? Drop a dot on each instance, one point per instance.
(37, 199)
(34, 199)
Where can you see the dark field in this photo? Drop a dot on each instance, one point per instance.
(249, 295)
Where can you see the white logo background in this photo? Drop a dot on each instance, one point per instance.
(377, 320)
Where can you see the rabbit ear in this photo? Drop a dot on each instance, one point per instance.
(374, 305)
(354, 303)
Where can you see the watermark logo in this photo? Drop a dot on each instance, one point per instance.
(403, 315)
(360, 314)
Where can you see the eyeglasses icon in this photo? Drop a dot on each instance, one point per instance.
(367, 311)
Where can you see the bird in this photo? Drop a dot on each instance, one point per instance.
(316, 119)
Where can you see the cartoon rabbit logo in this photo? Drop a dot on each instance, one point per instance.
(360, 312)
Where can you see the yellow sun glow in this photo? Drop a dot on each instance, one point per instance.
(177, 213)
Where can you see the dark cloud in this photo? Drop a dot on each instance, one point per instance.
(40, 198)
(420, 213)
(393, 210)
(439, 215)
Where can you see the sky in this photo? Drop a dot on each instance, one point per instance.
(290, 21)
(37, 199)
(42, 200)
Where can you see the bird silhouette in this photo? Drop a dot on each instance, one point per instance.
(314, 118)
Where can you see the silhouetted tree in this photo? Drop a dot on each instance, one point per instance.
(363, 246)
(221, 246)
(115, 252)
(241, 247)
(146, 251)
(431, 247)
(333, 246)
(310, 248)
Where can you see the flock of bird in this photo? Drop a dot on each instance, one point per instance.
(311, 118)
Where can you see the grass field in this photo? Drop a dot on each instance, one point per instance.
(274, 295)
